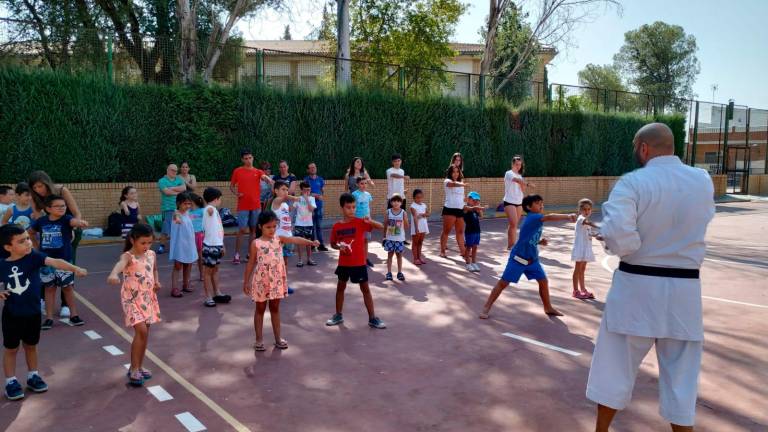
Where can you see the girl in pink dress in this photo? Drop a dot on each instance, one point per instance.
(265, 279)
(138, 295)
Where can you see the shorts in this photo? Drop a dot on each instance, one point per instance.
(471, 239)
(393, 246)
(22, 328)
(514, 270)
(510, 204)
(50, 276)
(247, 218)
(212, 255)
(305, 232)
(447, 211)
(199, 241)
(287, 250)
(358, 274)
(167, 221)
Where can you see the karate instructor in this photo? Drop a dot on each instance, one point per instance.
(655, 220)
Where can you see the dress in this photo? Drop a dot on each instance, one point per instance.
(269, 280)
(423, 224)
(183, 248)
(138, 293)
(582, 242)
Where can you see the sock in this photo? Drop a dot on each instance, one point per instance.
(10, 380)
(30, 374)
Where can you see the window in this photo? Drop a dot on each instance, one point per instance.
(710, 157)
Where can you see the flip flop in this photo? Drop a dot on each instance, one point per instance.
(282, 344)
(483, 315)
(259, 346)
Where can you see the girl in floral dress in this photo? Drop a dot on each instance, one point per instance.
(265, 279)
(138, 295)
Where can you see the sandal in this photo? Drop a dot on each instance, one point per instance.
(300, 264)
(282, 344)
(259, 346)
(187, 289)
(136, 379)
(146, 373)
(483, 315)
(176, 293)
(587, 295)
(311, 263)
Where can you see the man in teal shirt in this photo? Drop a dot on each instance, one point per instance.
(170, 186)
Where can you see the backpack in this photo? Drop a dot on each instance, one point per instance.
(227, 219)
(114, 225)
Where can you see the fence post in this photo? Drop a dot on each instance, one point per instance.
(109, 59)
(260, 66)
(481, 89)
(401, 80)
(549, 96)
(728, 117)
(695, 138)
(748, 167)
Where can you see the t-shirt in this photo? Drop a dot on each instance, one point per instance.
(316, 185)
(22, 278)
(353, 234)
(471, 222)
(290, 178)
(55, 236)
(303, 213)
(513, 193)
(395, 225)
(248, 182)
(362, 203)
(214, 230)
(284, 220)
(454, 196)
(395, 185)
(196, 215)
(4, 208)
(527, 245)
(168, 202)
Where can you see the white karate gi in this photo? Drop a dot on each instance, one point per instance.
(655, 216)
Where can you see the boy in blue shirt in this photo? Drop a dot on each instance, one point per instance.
(363, 200)
(524, 256)
(21, 285)
(55, 229)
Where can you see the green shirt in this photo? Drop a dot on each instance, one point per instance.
(168, 202)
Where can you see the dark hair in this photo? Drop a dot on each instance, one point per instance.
(137, 231)
(124, 193)
(359, 180)
(5, 189)
(211, 194)
(51, 198)
(417, 191)
(183, 197)
(245, 152)
(278, 184)
(265, 165)
(197, 199)
(8, 232)
(516, 158)
(449, 171)
(351, 170)
(265, 217)
(396, 156)
(346, 198)
(40, 177)
(23, 187)
(396, 197)
(530, 199)
(304, 185)
(282, 161)
(311, 163)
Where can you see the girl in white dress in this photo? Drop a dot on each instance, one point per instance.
(419, 226)
(582, 249)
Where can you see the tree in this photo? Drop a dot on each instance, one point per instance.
(660, 59)
(343, 49)
(327, 29)
(512, 36)
(287, 32)
(601, 77)
(553, 22)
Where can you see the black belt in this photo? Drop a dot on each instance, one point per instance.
(659, 271)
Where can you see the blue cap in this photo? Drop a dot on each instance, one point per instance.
(474, 195)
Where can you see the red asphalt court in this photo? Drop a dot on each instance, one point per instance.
(437, 367)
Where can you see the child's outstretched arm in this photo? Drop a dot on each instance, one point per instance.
(254, 252)
(66, 266)
(113, 277)
(553, 217)
(373, 223)
(299, 241)
(78, 223)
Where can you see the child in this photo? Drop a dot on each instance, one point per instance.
(196, 215)
(265, 189)
(21, 212)
(182, 251)
(213, 248)
(582, 249)
(55, 230)
(281, 206)
(265, 279)
(419, 225)
(347, 236)
(473, 211)
(396, 222)
(138, 265)
(524, 256)
(20, 275)
(6, 198)
(129, 209)
(317, 185)
(363, 200)
(305, 208)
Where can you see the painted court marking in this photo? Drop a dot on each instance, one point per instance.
(115, 351)
(190, 422)
(127, 366)
(159, 393)
(542, 344)
(92, 334)
(170, 371)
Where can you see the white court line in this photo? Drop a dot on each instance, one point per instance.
(542, 344)
(127, 366)
(159, 393)
(190, 422)
(92, 334)
(115, 351)
(730, 262)
(734, 302)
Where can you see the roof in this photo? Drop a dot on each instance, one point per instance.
(326, 47)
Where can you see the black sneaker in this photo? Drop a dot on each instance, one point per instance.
(322, 248)
(336, 319)
(47, 324)
(76, 321)
(388, 276)
(36, 384)
(224, 298)
(376, 322)
(407, 243)
(400, 276)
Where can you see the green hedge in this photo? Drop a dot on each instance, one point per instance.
(84, 129)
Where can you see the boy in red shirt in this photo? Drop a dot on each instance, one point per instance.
(348, 237)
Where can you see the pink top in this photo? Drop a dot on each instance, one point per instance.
(138, 293)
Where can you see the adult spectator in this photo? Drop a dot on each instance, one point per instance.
(170, 185)
(189, 179)
(356, 169)
(286, 177)
(655, 220)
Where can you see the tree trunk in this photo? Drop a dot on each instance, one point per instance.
(219, 38)
(186, 12)
(343, 61)
(489, 54)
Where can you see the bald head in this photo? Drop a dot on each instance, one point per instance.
(171, 171)
(653, 139)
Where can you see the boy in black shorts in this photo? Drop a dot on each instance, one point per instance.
(21, 289)
(348, 237)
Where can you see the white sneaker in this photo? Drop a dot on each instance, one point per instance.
(476, 267)
(470, 268)
(64, 312)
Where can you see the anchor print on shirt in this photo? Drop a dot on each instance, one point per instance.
(19, 288)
